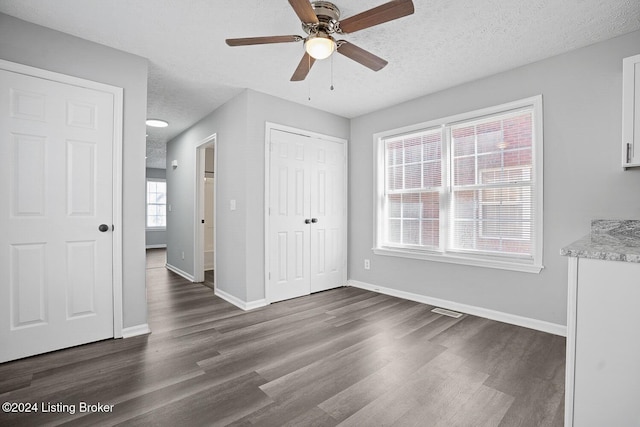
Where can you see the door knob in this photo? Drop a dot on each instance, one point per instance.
(103, 227)
(314, 220)
(307, 221)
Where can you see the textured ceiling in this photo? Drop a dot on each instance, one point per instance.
(445, 43)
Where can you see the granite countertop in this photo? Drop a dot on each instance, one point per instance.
(611, 240)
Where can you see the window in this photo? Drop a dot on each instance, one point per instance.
(156, 203)
(465, 189)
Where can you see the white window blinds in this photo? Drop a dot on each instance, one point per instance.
(467, 188)
(413, 186)
(492, 203)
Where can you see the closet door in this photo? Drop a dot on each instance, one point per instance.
(289, 217)
(327, 214)
(307, 217)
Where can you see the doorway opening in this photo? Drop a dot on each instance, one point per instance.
(205, 220)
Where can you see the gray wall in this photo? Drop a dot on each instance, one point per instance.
(36, 46)
(156, 238)
(583, 178)
(240, 129)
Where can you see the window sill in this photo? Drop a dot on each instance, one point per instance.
(156, 229)
(460, 259)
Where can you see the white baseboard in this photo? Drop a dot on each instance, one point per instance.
(134, 331)
(540, 325)
(184, 274)
(246, 306)
(156, 246)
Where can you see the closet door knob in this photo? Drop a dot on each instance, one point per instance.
(314, 220)
(103, 227)
(307, 221)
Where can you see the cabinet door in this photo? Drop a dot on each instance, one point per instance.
(631, 111)
(607, 372)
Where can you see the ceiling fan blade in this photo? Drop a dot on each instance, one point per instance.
(360, 55)
(303, 68)
(305, 12)
(263, 40)
(386, 12)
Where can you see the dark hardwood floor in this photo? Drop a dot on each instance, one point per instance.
(344, 357)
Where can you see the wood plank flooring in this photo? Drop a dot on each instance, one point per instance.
(344, 357)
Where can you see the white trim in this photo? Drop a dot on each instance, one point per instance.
(156, 246)
(134, 331)
(118, 129)
(184, 274)
(458, 259)
(198, 227)
(117, 250)
(485, 259)
(267, 193)
(539, 325)
(572, 313)
(246, 306)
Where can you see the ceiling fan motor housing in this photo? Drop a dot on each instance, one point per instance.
(328, 15)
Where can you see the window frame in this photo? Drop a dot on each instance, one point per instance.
(146, 204)
(444, 253)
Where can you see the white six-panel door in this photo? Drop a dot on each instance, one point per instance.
(56, 179)
(327, 168)
(307, 217)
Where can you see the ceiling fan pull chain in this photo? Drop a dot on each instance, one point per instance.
(331, 72)
(308, 82)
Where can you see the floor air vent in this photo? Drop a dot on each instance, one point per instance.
(446, 312)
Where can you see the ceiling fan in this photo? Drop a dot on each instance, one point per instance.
(321, 19)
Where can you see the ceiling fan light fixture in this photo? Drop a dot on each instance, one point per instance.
(320, 46)
(157, 123)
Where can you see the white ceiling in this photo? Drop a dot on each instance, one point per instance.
(445, 43)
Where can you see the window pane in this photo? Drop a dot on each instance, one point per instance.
(499, 142)
(413, 149)
(431, 233)
(411, 232)
(394, 178)
(492, 219)
(411, 207)
(395, 205)
(413, 163)
(432, 146)
(430, 205)
(394, 152)
(413, 176)
(464, 171)
(160, 198)
(394, 231)
(432, 175)
(156, 203)
(464, 141)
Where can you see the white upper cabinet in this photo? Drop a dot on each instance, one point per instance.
(631, 111)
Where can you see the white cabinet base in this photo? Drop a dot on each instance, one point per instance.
(603, 344)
